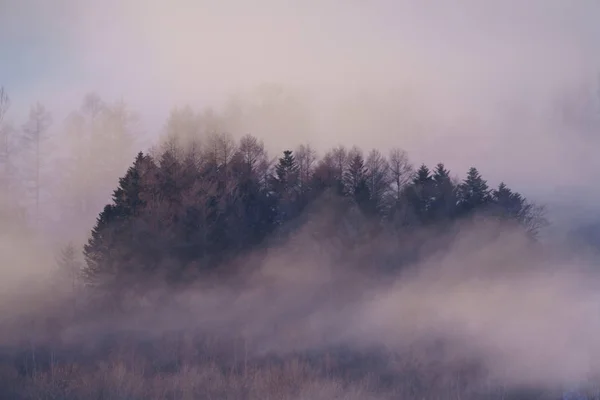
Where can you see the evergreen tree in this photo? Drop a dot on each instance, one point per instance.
(355, 182)
(474, 193)
(444, 200)
(513, 206)
(420, 194)
(286, 172)
(508, 204)
(286, 186)
(118, 247)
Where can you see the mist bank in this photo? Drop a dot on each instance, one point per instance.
(516, 317)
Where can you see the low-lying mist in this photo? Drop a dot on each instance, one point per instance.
(525, 316)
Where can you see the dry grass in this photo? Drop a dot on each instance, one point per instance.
(119, 381)
(165, 373)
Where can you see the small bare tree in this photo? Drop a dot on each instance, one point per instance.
(378, 177)
(401, 171)
(70, 269)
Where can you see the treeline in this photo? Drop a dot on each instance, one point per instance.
(187, 209)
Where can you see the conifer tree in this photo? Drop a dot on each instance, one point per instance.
(355, 173)
(474, 193)
(444, 199)
(420, 194)
(355, 182)
(117, 247)
(286, 186)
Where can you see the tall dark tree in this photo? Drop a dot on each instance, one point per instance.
(444, 194)
(474, 193)
(286, 187)
(355, 182)
(420, 194)
(118, 247)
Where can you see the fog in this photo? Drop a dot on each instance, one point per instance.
(528, 318)
(510, 87)
(472, 82)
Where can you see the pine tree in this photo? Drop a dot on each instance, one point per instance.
(355, 174)
(118, 245)
(444, 198)
(286, 186)
(355, 182)
(510, 205)
(474, 193)
(287, 172)
(420, 194)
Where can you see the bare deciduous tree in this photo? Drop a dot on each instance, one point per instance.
(252, 152)
(306, 156)
(220, 149)
(401, 172)
(378, 177)
(340, 160)
(35, 135)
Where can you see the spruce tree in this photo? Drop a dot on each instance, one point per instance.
(356, 184)
(114, 249)
(444, 199)
(474, 193)
(419, 195)
(285, 186)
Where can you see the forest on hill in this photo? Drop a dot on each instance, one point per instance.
(218, 270)
(189, 209)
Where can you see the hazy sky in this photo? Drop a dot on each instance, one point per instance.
(482, 74)
(191, 50)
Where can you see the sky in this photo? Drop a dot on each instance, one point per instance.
(465, 82)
